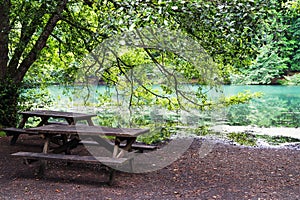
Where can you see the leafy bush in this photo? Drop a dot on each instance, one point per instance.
(280, 54)
(242, 138)
(159, 135)
(276, 140)
(248, 139)
(2, 134)
(8, 103)
(291, 80)
(267, 66)
(34, 98)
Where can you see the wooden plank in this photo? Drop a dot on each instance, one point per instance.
(89, 130)
(144, 147)
(58, 114)
(11, 131)
(57, 123)
(72, 158)
(15, 132)
(134, 146)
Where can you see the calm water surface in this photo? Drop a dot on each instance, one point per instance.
(274, 108)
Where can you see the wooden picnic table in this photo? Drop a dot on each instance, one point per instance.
(70, 117)
(68, 135)
(45, 115)
(128, 135)
(95, 133)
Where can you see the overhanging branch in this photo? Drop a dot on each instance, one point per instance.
(27, 31)
(41, 42)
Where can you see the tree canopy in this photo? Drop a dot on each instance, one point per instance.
(42, 39)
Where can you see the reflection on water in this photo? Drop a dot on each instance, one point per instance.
(279, 105)
(268, 91)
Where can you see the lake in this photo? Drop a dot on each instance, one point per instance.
(279, 105)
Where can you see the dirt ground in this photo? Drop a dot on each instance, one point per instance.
(227, 172)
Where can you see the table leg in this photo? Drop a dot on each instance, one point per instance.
(70, 121)
(43, 164)
(67, 146)
(23, 121)
(112, 176)
(14, 139)
(112, 173)
(129, 142)
(44, 121)
(65, 140)
(90, 122)
(116, 147)
(21, 125)
(128, 146)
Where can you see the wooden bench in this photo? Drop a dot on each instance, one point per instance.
(135, 146)
(109, 161)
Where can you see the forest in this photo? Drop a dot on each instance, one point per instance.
(244, 42)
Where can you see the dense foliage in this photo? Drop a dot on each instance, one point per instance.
(279, 57)
(44, 42)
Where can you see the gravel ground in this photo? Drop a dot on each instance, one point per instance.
(225, 172)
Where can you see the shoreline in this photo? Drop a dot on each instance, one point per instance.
(258, 131)
(272, 131)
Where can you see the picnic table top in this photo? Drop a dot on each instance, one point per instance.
(57, 114)
(88, 130)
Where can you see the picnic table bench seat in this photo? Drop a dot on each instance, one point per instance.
(72, 158)
(109, 161)
(135, 146)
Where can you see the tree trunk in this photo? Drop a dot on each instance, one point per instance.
(11, 76)
(4, 31)
(8, 92)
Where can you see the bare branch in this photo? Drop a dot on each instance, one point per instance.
(168, 74)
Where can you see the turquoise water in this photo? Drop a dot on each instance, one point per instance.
(268, 91)
(279, 105)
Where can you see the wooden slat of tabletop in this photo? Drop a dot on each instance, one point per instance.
(57, 114)
(89, 130)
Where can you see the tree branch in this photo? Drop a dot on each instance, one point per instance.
(41, 42)
(168, 75)
(27, 31)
